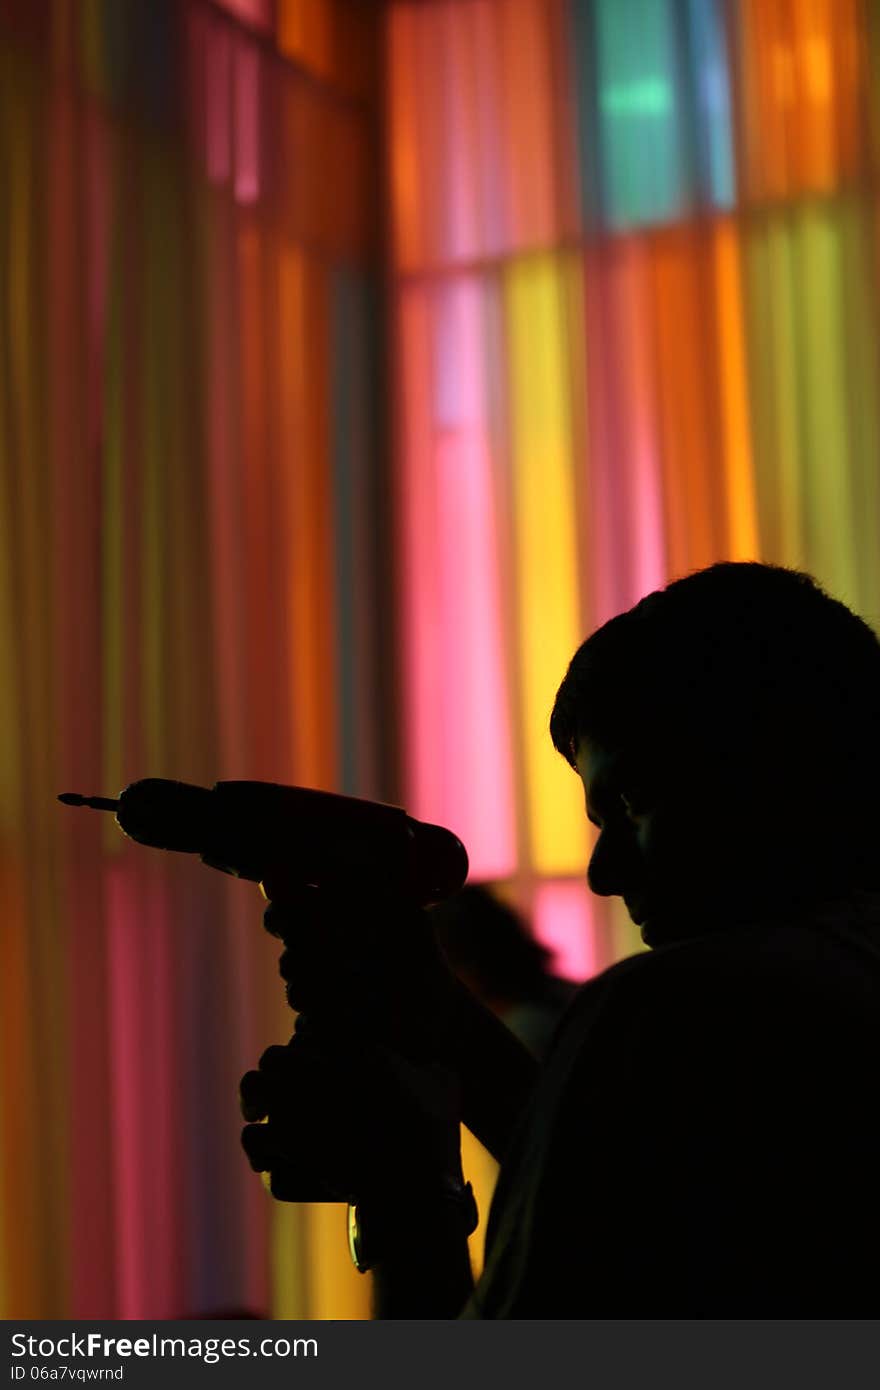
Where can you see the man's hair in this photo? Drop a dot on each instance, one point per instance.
(751, 670)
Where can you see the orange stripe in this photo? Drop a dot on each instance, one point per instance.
(527, 141)
(305, 468)
(685, 390)
(852, 77)
(305, 32)
(816, 143)
(403, 135)
(260, 639)
(742, 520)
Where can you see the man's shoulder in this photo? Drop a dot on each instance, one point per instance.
(751, 950)
(767, 967)
(702, 956)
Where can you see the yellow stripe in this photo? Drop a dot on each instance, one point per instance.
(545, 527)
(289, 1290)
(863, 372)
(336, 1290)
(777, 426)
(826, 434)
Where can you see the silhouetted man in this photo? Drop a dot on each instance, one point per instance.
(703, 1139)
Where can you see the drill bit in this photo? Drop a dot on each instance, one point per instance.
(97, 803)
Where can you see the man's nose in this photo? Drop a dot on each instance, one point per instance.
(610, 870)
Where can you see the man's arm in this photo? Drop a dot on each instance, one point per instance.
(429, 1273)
(496, 1073)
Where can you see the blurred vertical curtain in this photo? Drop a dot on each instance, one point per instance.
(188, 285)
(629, 284)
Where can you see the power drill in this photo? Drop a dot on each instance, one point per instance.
(300, 836)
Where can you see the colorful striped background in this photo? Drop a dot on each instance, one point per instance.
(355, 361)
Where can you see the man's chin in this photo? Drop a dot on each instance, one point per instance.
(648, 933)
(658, 925)
(657, 930)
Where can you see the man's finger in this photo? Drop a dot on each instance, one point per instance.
(291, 1182)
(275, 1062)
(262, 1146)
(253, 1097)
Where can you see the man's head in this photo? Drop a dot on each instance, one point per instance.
(727, 731)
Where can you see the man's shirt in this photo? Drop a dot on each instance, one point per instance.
(704, 1136)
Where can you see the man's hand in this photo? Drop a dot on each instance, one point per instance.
(367, 975)
(370, 967)
(347, 1119)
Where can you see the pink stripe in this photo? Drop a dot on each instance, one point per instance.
(252, 962)
(131, 1154)
(247, 123)
(476, 754)
(564, 917)
(161, 1094)
(257, 13)
(142, 898)
(417, 580)
(458, 739)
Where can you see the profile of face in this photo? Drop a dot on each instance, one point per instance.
(681, 849)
